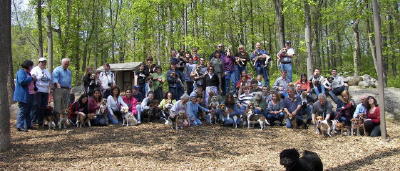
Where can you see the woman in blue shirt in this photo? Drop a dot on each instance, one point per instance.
(23, 94)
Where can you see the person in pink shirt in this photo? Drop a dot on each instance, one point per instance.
(131, 102)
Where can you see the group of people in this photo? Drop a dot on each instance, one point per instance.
(214, 89)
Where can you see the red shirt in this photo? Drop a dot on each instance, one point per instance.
(376, 116)
(304, 86)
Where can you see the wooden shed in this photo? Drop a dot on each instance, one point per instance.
(124, 74)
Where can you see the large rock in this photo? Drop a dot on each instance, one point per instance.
(353, 80)
(367, 82)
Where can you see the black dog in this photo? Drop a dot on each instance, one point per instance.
(290, 158)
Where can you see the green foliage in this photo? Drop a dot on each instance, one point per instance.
(95, 31)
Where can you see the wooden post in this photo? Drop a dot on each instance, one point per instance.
(378, 46)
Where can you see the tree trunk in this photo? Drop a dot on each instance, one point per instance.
(307, 17)
(339, 48)
(378, 40)
(39, 25)
(5, 56)
(392, 40)
(356, 52)
(49, 37)
(280, 22)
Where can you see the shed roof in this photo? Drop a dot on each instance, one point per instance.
(129, 66)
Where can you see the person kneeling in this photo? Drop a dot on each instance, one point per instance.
(295, 111)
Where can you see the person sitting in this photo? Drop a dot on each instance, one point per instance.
(274, 111)
(346, 109)
(192, 111)
(338, 85)
(79, 107)
(316, 80)
(281, 84)
(114, 104)
(247, 96)
(131, 102)
(166, 104)
(372, 123)
(180, 106)
(294, 109)
(149, 108)
(231, 108)
(304, 84)
(94, 102)
(259, 104)
(361, 108)
(321, 108)
(137, 94)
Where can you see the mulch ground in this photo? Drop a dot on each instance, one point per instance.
(157, 147)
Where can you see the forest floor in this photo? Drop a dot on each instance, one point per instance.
(157, 147)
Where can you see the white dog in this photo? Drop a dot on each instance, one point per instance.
(128, 118)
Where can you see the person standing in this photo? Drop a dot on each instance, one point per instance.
(175, 84)
(241, 58)
(212, 84)
(260, 58)
(23, 94)
(41, 97)
(285, 57)
(107, 79)
(62, 79)
(228, 63)
(140, 78)
(190, 67)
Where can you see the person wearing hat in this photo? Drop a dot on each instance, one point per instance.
(285, 56)
(41, 97)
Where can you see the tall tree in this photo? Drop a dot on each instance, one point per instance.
(381, 86)
(356, 51)
(49, 36)
(278, 4)
(307, 29)
(39, 25)
(5, 55)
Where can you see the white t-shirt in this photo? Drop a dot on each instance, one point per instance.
(106, 78)
(43, 77)
(290, 51)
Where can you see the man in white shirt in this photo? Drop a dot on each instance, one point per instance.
(40, 102)
(285, 57)
(107, 79)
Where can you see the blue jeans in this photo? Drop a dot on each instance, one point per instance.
(230, 79)
(139, 113)
(275, 117)
(23, 117)
(264, 72)
(195, 122)
(238, 71)
(177, 92)
(319, 90)
(142, 89)
(288, 68)
(299, 120)
(230, 121)
(39, 103)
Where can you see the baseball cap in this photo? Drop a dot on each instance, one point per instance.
(42, 59)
